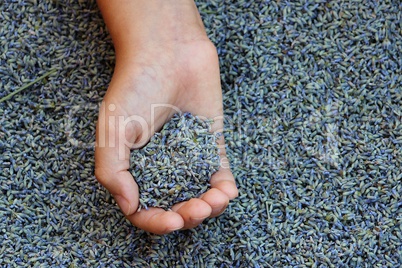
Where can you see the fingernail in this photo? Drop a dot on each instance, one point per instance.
(123, 204)
(197, 220)
(218, 211)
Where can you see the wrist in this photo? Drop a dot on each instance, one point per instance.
(138, 25)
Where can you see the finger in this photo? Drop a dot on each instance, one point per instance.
(157, 220)
(123, 188)
(112, 159)
(193, 212)
(217, 200)
(223, 179)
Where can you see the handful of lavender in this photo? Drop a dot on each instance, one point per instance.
(177, 163)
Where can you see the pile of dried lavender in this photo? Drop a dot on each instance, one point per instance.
(177, 163)
(313, 100)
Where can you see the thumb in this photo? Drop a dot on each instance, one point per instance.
(115, 135)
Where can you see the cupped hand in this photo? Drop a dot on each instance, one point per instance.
(140, 99)
(152, 81)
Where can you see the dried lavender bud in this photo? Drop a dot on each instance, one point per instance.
(177, 163)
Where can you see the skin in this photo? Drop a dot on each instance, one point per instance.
(163, 56)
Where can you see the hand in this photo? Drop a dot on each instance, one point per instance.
(167, 65)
